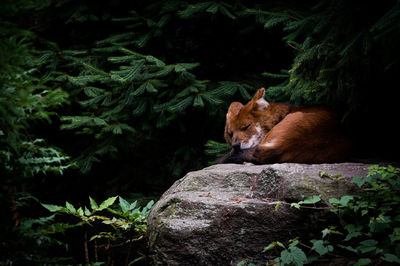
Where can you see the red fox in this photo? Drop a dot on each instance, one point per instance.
(262, 132)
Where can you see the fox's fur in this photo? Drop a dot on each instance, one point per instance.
(262, 132)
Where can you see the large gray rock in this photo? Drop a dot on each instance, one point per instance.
(225, 213)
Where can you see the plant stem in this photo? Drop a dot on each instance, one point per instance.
(86, 248)
(95, 251)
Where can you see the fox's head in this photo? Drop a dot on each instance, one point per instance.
(246, 124)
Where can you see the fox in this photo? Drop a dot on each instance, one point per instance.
(262, 132)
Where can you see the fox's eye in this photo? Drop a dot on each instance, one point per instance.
(245, 127)
(230, 134)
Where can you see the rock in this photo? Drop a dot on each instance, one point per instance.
(226, 213)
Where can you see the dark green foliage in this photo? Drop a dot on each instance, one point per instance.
(335, 52)
(131, 92)
(25, 98)
(342, 60)
(144, 94)
(111, 233)
(368, 228)
(131, 101)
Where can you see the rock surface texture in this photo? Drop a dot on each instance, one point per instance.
(226, 213)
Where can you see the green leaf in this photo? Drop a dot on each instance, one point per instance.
(134, 71)
(125, 206)
(107, 203)
(294, 242)
(152, 59)
(295, 205)
(390, 258)
(353, 228)
(358, 181)
(150, 88)
(117, 130)
(330, 230)
(87, 212)
(352, 235)
(272, 75)
(226, 12)
(80, 211)
(349, 248)
(140, 109)
(242, 263)
(70, 207)
(93, 101)
(345, 200)
(133, 205)
(367, 246)
(280, 244)
(369, 243)
(310, 200)
(325, 232)
(198, 102)
(212, 9)
(295, 255)
(185, 66)
(285, 257)
(53, 208)
(193, 9)
(212, 99)
(99, 121)
(93, 204)
(320, 248)
(363, 261)
(181, 105)
(93, 91)
(140, 90)
(269, 247)
(146, 209)
(334, 201)
(244, 93)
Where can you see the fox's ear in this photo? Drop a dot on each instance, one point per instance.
(258, 102)
(233, 110)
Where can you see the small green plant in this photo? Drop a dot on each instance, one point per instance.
(109, 231)
(291, 254)
(368, 228)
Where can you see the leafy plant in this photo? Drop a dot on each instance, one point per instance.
(291, 255)
(307, 200)
(369, 224)
(29, 101)
(108, 230)
(24, 100)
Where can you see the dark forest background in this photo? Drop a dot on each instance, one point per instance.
(105, 98)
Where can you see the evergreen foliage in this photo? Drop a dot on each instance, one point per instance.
(126, 96)
(142, 94)
(338, 49)
(24, 99)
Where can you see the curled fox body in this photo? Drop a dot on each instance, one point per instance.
(262, 132)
